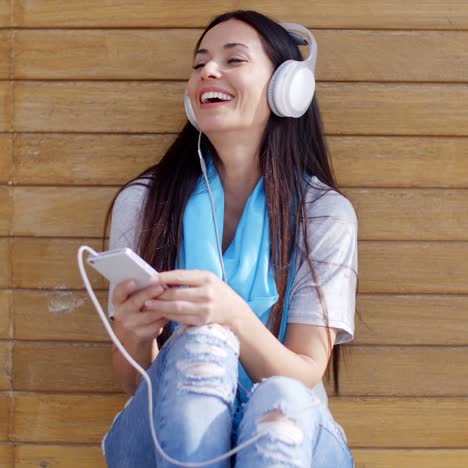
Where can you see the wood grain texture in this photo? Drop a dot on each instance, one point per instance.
(400, 161)
(5, 271)
(394, 109)
(412, 458)
(138, 107)
(57, 316)
(5, 314)
(5, 13)
(404, 371)
(393, 162)
(429, 14)
(436, 56)
(412, 320)
(55, 159)
(6, 159)
(62, 419)
(6, 95)
(145, 107)
(385, 423)
(383, 214)
(5, 210)
(6, 456)
(4, 416)
(64, 212)
(403, 423)
(413, 267)
(49, 263)
(385, 267)
(63, 456)
(367, 371)
(63, 368)
(417, 215)
(5, 52)
(6, 365)
(58, 456)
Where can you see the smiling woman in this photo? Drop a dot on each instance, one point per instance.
(244, 221)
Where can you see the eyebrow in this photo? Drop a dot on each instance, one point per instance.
(229, 45)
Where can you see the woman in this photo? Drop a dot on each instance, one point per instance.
(287, 251)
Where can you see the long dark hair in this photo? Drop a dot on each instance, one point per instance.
(291, 151)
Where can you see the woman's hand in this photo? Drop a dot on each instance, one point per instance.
(136, 322)
(202, 299)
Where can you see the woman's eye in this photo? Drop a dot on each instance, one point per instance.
(197, 66)
(236, 60)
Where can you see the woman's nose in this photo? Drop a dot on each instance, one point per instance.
(210, 70)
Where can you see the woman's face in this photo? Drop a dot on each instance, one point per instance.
(228, 86)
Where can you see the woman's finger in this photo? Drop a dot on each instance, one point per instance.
(190, 294)
(186, 277)
(136, 301)
(122, 291)
(172, 310)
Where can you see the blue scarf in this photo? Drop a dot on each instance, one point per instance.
(247, 260)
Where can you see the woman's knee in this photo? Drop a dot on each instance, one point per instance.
(204, 360)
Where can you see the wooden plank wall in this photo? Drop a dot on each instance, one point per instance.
(91, 93)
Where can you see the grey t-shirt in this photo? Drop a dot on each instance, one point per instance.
(332, 236)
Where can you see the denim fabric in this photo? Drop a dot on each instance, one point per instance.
(194, 386)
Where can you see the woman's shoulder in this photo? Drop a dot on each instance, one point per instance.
(132, 196)
(324, 202)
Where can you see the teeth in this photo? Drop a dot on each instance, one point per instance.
(212, 95)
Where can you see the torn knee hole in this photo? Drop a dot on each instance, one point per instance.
(204, 369)
(280, 426)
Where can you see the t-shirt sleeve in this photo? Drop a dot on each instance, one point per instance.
(125, 224)
(332, 238)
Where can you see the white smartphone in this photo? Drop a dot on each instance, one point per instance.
(120, 265)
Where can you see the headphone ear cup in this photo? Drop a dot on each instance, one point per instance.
(189, 111)
(291, 89)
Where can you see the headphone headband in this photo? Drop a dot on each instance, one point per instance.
(293, 29)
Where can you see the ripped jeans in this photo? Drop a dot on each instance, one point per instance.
(194, 388)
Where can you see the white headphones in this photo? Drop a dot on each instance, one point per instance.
(291, 87)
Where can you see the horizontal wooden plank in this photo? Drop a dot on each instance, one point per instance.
(315, 13)
(142, 107)
(5, 13)
(44, 263)
(5, 271)
(5, 106)
(54, 159)
(366, 371)
(5, 52)
(418, 214)
(404, 371)
(384, 214)
(5, 314)
(5, 159)
(412, 320)
(393, 109)
(4, 416)
(435, 56)
(138, 107)
(58, 456)
(5, 210)
(6, 366)
(57, 316)
(413, 267)
(403, 423)
(63, 456)
(384, 319)
(63, 368)
(64, 418)
(410, 458)
(6, 456)
(399, 161)
(63, 212)
(385, 267)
